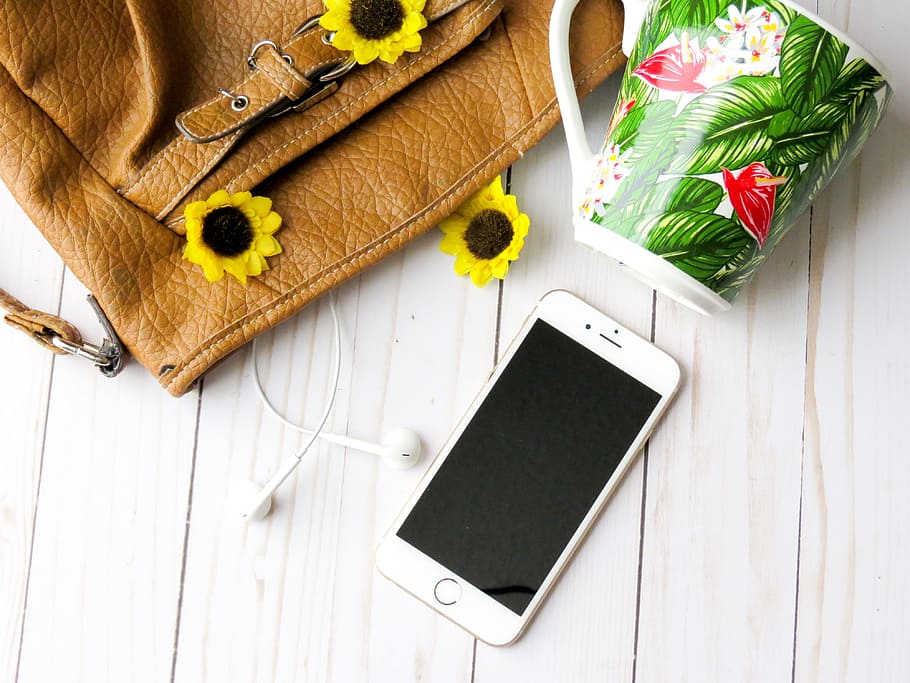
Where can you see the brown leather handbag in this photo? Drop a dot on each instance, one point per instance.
(114, 117)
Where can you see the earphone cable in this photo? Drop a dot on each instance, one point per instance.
(314, 433)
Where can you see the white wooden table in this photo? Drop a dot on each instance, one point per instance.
(762, 537)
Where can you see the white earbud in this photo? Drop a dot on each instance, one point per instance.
(399, 449)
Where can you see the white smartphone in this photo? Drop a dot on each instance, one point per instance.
(522, 478)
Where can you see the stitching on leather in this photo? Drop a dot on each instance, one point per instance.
(163, 154)
(280, 75)
(258, 165)
(423, 56)
(148, 168)
(178, 197)
(241, 328)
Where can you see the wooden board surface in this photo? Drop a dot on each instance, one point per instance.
(760, 538)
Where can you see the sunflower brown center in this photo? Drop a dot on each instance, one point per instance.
(376, 19)
(488, 233)
(227, 231)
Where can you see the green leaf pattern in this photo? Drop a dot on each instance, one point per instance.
(803, 115)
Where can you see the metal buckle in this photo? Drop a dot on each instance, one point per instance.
(325, 79)
(108, 357)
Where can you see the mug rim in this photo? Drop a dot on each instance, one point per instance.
(648, 267)
(870, 58)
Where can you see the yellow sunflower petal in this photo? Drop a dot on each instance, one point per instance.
(239, 199)
(267, 245)
(342, 6)
(454, 224)
(236, 266)
(365, 52)
(521, 224)
(481, 273)
(509, 205)
(391, 53)
(212, 268)
(411, 43)
(270, 223)
(511, 252)
(414, 22)
(218, 199)
(194, 228)
(452, 244)
(195, 210)
(193, 253)
(343, 40)
(494, 190)
(499, 268)
(261, 205)
(464, 262)
(252, 263)
(333, 21)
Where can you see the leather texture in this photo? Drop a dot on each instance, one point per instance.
(89, 145)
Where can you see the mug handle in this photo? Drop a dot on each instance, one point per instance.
(580, 154)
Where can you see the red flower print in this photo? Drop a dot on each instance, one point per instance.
(622, 110)
(752, 195)
(674, 68)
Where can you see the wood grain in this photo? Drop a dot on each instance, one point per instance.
(762, 537)
(109, 537)
(853, 595)
(30, 271)
(722, 512)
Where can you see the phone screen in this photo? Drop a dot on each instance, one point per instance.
(524, 473)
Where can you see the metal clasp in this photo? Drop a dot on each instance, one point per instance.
(108, 357)
(324, 79)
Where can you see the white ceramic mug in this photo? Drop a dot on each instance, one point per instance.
(731, 118)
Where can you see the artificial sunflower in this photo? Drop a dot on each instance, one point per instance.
(375, 28)
(485, 233)
(231, 233)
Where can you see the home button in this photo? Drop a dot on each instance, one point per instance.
(447, 591)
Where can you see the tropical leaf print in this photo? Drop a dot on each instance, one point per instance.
(650, 123)
(728, 125)
(810, 61)
(855, 79)
(693, 15)
(634, 221)
(657, 25)
(798, 140)
(699, 244)
(770, 100)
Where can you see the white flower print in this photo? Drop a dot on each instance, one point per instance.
(610, 169)
(750, 45)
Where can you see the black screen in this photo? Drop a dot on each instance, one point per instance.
(526, 470)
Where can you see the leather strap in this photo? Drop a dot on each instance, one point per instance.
(42, 327)
(61, 337)
(281, 78)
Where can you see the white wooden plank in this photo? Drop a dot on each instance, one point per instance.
(256, 595)
(853, 599)
(110, 524)
(419, 362)
(722, 510)
(585, 631)
(296, 597)
(30, 270)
